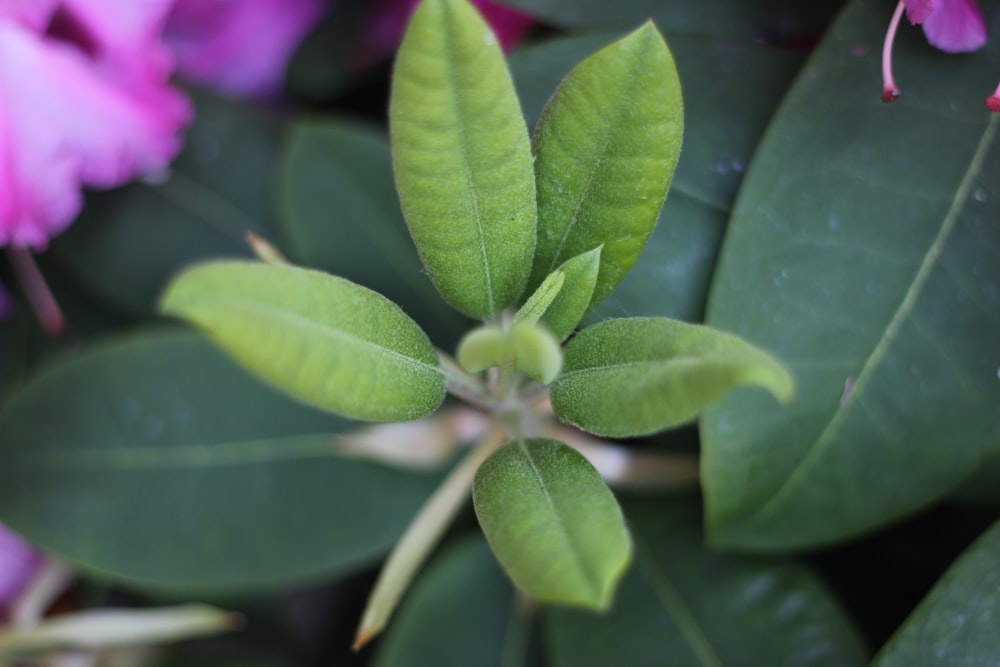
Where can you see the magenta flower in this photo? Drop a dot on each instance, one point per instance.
(390, 17)
(950, 25)
(84, 100)
(19, 563)
(239, 47)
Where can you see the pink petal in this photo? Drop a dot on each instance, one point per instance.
(63, 124)
(917, 11)
(956, 25)
(19, 563)
(391, 16)
(32, 14)
(240, 47)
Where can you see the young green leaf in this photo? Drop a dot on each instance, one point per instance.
(561, 301)
(536, 352)
(482, 348)
(606, 147)
(541, 299)
(462, 158)
(552, 523)
(640, 375)
(526, 347)
(324, 340)
(571, 304)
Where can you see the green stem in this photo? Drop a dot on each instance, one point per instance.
(420, 538)
(467, 387)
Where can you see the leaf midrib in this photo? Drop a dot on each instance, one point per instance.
(575, 550)
(202, 455)
(293, 319)
(827, 437)
(585, 193)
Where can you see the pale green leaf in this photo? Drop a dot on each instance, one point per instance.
(552, 523)
(640, 375)
(541, 299)
(956, 624)
(570, 305)
(606, 147)
(462, 158)
(526, 347)
(536, 352)
(482, 348)
(322, 339)
(96, 629)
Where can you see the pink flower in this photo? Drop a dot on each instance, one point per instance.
(84, 100)
(950, 25)
(239, 47)
(390, 17)
(19, 563)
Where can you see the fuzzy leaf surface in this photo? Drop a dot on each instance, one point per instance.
(605, 150)
(462, 158)
(322, 339)
(643, 374)
(552, 523)
(868, 263)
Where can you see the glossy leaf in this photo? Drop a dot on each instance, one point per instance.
(762, 20)
(605, 151)
(341, 214)
(875, 279)
(168, 467)
(672, 275)
(462, 158)
(324, 340)
(129, 242)
(552, 523)
(641, 375)
(461, 612)
(685, 606)
(956, 624)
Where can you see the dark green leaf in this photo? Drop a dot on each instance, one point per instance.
(168, 467)
(341, 214)
(324, 340)
(863, 255)
(461, 612)
(956, 624)
(762, 20)
(605, 151)
(681, 605)
(462, 158)
(129, 242)
(644, 374)
(552, 523)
